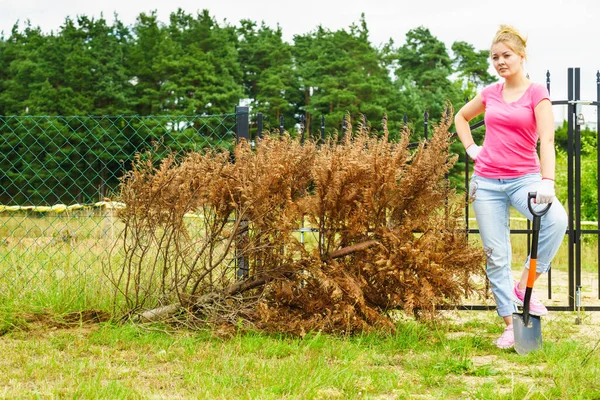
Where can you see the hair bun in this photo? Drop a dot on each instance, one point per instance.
(507, 33)
(512, 31)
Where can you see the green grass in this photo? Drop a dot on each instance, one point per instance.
(450, 359)
(43, 269)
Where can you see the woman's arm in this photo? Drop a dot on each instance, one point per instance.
(545, 125)
(461, 121)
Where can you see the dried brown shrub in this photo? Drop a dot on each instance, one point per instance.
(388, 227)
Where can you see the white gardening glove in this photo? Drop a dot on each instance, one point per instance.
(545, 192)
(473, 151)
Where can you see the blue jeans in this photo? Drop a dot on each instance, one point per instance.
(492, 199)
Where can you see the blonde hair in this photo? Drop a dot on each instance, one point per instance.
(512, 38)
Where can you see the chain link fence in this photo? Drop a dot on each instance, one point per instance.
(57, 179)
(58, 175)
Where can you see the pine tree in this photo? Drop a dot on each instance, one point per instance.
(341, 72)
(269, 79)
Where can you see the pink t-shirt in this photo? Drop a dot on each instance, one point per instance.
(510, 145)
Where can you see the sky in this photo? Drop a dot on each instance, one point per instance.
(561, 33)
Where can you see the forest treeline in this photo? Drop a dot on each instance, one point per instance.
(87, 77)
(194, 65)
(157, 72)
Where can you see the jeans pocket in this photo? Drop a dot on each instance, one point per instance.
(473, 189)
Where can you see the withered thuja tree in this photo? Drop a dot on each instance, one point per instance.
(386, 234)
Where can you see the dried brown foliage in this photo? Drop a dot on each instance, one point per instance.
(388, 234)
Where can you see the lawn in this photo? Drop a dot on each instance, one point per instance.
(453, 358)
(46, 353)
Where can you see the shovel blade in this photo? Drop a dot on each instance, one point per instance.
(527, 337)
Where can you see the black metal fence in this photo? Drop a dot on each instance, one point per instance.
(56, 172)
(575, 232)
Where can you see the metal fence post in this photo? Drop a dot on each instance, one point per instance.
(302, 129)
(577, 201)
(570, 195)
(425, 124)
(242, 122)
(259, 125)
(322, 129)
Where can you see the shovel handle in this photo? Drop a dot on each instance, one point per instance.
(530, 198)
(537, 218)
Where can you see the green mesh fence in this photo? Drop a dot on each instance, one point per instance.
(56, 225)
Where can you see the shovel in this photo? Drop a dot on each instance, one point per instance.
(528, 328)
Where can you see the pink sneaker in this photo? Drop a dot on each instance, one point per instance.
(535, 306)
(507, 339)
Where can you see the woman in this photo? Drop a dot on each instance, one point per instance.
(507, 167)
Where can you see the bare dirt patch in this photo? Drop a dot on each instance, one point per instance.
(39, 323)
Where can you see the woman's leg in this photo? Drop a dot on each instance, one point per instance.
(552, 232)
(553, 224)
(491, 206)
